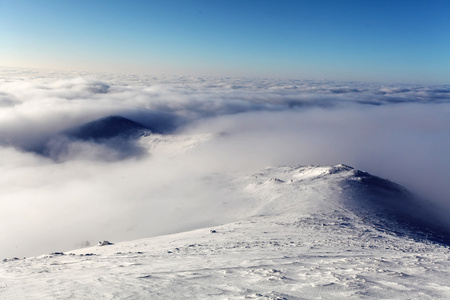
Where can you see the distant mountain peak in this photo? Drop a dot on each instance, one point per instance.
(109, 127)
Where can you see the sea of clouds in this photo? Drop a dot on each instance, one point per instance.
(396, 131)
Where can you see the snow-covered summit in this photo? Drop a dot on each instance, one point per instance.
(299, 232)
(299, 190)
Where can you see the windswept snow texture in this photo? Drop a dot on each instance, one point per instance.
(59, 190)
(300, 239)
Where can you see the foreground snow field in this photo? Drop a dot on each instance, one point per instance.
(305, 232)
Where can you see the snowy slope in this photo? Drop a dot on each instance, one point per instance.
(303, 232)
(166, 145)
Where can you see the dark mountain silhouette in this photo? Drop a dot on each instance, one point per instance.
(116, 134)
(109, 127)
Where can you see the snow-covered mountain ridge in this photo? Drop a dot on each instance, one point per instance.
(300, 232)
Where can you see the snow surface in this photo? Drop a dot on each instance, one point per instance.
(167, 145)
(304, 232)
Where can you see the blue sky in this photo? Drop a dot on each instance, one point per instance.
(386, 41)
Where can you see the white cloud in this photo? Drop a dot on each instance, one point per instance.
(397, 132)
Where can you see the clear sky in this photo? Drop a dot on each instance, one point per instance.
(365, 40)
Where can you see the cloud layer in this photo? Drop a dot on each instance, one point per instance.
(399, 132)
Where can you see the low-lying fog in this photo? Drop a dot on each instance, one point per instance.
(396, 131)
